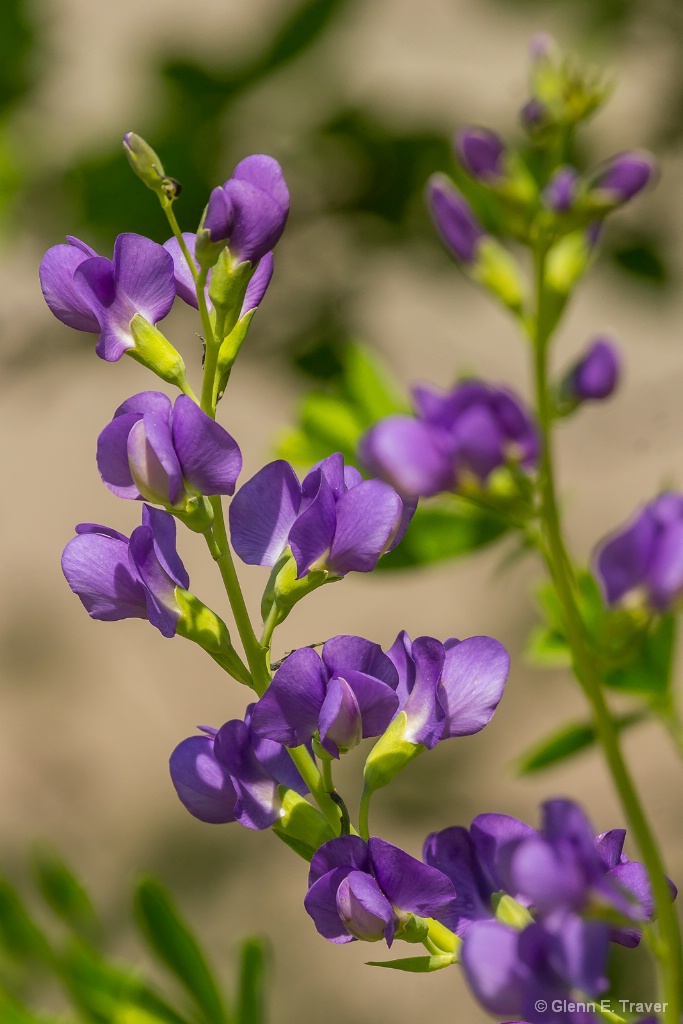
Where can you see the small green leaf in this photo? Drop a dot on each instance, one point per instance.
(177, 948)
(442, 531)
(566, 742)
(651, 671)
(252, 992)
(368, 386)
(65, 894)
(416, 964)
(19, 934)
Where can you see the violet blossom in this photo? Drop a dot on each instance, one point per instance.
(481, 152)
(360, 890)
(645, 557)
(101, 296)
(596, 374)
(334, 520)
(623, 176)
(458, 228)
(465, 433)
(184, 281)
(233, 774)
(166, 453)
(117, 577)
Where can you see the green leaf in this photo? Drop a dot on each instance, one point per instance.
(252, 992)
(368, 386)
(566, 742)
(651, 671)
(65, 894)
(416, 964)
(19, 934)
(442, 531)
(176, 946)
(547, 648)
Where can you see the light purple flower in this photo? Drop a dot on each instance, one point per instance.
(184, 282)
(232, 774)
(120, 578)
(91, 293)
(560, 192)
(344, 696)
(360, 890)
(450, 689)
(333, 520)
(468, 431)
(625, 175)
(481, 153)
(459, 229)
(645, 555)
(166, 453)
(596, 375)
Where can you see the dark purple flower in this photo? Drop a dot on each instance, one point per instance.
(459, 229)
(333, 520)
(595, 376)
(232, 774)
(467, 432)
(560, 192)
(481, 153)
(359, 890)
(94, 294)
(534, 115)
(645, 555)
(184, 281)
(450, 689)
(346, 695)
(624, 176)
(120, 578)
(166, 453)
(534, 972)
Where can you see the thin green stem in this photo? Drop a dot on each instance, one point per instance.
(167, 207)
(561, 571)
(222, 555)
(316, 785)
(364, 814)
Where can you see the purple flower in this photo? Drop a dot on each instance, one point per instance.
(449, 689)
(624, 176)
(333, 520)
(534, 115)
(467, 432)
(481, 153)
(645, 555)
(94, 294)
(595, 375)
(345, 696)
(120, 578)
(359, 890)
(232, 774)
(459, 229)
(165, 453)
(184, 282)
(524, 972)
(560, 192)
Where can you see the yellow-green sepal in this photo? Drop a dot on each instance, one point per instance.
(200, 624)
(156, 352)
(390, 755)
(302, 827)
(509, 911)
(496, 270)
(284, 590)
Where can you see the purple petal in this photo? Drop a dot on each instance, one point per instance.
(425, 715)
(472, 684)
(494, 837)
(585, 945)
(184, 281)
(162, 608)
(364, 910)
(596, 375)
(217, 219)
(634, 880)
(452, 852)
(623, 559)
(277, 762)
(367, 518)
(163, 527)
(265, 173)
(453, 218)
(62, 292)
(155, 402)
(346, 851)
(610, 846)
(377, 702)
(209, 457)
(320, 903)
(560, 192)
(259, 221)
(153, 462)
(97, 569)
(410, 884)
(627, 174)
(113, 309)
(311, 535)
(565, 822)
(478, 442)
(204, 787)
(334, 471)
(112, 456)
(492, 968)
(289, 709)
(263, 512)
(664, 577)
(144, 273)
(258, 803)
(407, 453)
(339, 723)
(400, 654)
(480, 152)
(258, 286)
(546, 879)
(345, 653)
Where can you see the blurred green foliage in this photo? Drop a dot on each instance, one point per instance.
(68, 953)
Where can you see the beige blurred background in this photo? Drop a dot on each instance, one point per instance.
(91, 711)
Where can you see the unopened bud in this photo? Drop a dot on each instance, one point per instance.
(144, 162)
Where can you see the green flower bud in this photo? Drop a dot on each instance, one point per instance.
(156, 352)
(390, 754)
(145, 163)
(201, 625)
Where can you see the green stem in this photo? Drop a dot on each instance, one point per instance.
(167, 207)
(316, 785)
(364, 814)
(561, 571)
(221, 553)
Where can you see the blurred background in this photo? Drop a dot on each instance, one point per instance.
(358, 100)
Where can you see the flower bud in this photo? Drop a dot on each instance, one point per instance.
(453, 218)
(156, 352)
(622, 178)
(144, 162)
(363, 908)
(560, 192)
(481, 153)
(214, 228)
(594, 376)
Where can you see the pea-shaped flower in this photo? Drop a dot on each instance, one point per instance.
(333, 520)
(344, 696)
(117, 577)
(360, 890)
(91, 293)
(166, 454)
